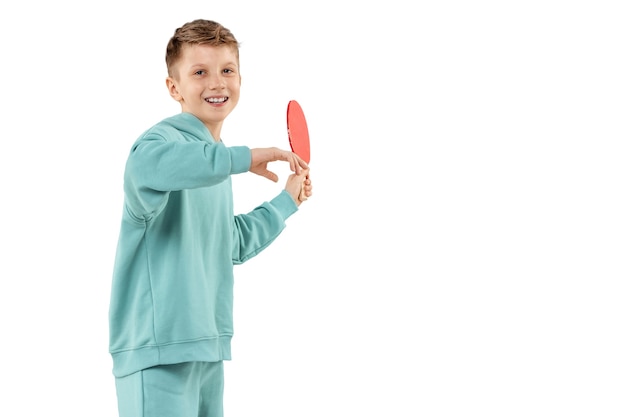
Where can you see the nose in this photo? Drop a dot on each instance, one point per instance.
(217, 82)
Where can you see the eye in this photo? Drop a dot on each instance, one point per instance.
(228, 71)
(199, 72)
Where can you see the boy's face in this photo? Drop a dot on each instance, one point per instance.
(206, 82)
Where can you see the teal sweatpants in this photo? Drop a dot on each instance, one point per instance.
(190, 389)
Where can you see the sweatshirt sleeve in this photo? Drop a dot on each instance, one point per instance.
(156, 166)
(254, 231)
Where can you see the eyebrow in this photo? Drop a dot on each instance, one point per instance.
(230, 63)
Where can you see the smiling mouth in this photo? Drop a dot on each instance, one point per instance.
(216, 100)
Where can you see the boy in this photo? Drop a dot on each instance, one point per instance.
(171, 315)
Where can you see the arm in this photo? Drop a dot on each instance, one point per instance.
(156, 166)
(171, 166)
(255, 230)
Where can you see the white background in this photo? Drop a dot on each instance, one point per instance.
(463, 254)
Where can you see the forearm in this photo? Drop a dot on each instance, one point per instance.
(173, 166)
(254, 231)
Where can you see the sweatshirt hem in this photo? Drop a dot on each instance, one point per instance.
(207, 350)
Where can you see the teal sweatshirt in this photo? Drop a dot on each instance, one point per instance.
(172, 290)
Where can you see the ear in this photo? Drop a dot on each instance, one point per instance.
(173, 89)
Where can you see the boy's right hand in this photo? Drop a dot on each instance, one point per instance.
(262, 156)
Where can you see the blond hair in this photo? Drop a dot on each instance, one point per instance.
(198, 32)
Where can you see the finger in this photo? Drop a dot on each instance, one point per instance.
(303, 195)
(300, 163)
(293, 165)
(269, 175)
(303, 164)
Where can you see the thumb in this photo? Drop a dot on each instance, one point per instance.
(269, 175)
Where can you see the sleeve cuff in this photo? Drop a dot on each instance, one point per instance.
(240, 159)
(284, 204)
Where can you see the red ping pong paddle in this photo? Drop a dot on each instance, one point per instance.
(298, 133)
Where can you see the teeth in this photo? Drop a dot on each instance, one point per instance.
(217, 100)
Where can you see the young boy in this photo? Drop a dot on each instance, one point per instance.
(170, 315)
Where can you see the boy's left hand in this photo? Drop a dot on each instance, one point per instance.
(300, 187)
